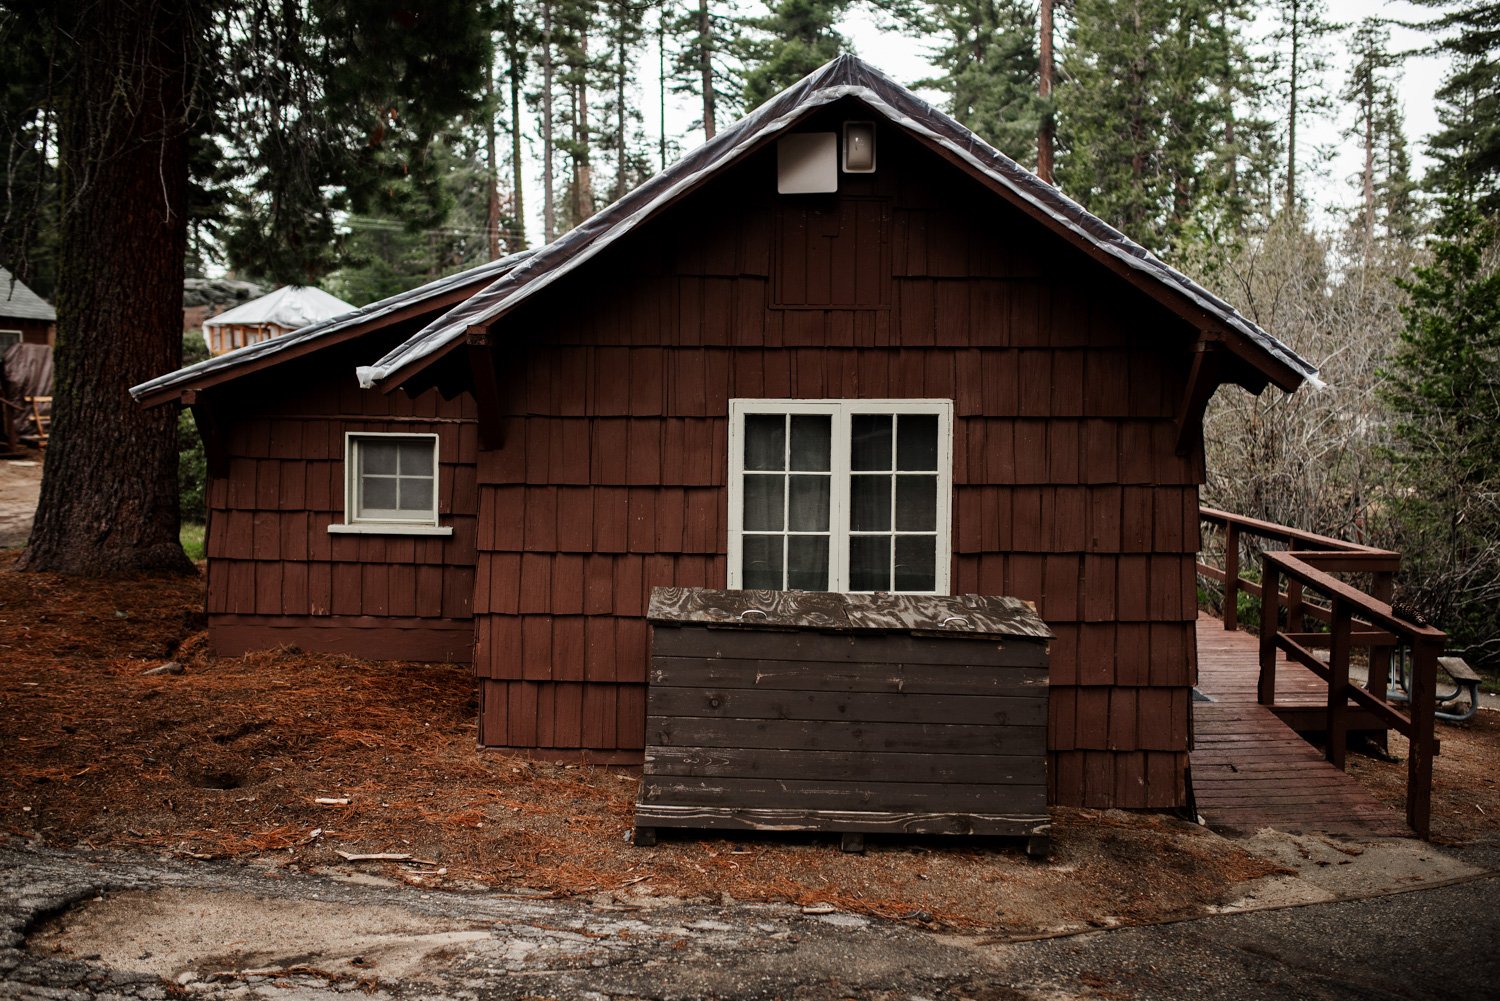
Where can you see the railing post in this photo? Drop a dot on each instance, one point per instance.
(1231, 576)
(1338, 684)
(1379, 680)
(1270, 596)
(1296, 622)
(1419, 754)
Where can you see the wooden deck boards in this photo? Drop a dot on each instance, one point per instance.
(1250, 770)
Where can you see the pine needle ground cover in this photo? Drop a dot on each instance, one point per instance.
(230, 758)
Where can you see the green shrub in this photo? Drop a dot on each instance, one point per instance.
(192, 540)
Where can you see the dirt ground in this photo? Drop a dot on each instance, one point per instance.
(230, 758)
(20, 482)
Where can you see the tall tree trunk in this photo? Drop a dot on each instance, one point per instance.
(661, 81)
(492, 158)
(1045, 138)
(706, 70)
(620, 70)
(583, 171)
(1369, 172)
(549, 195)
(109, 502)
(1291, 118)
(517, 167)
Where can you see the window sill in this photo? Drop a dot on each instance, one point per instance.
(391, 528)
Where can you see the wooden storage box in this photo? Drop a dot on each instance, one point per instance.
(858, 713)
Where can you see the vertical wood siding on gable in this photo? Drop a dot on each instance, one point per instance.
(1067, 489)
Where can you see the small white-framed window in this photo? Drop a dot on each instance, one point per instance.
(8, 338)
(390, 484)
(840, 495)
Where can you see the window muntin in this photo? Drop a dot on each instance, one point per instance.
(391, 479)
(843, 495)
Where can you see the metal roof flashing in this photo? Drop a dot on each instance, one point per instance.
(163, 387)
(845, 76)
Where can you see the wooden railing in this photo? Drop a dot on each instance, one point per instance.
(1353, 618)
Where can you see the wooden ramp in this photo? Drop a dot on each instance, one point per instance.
(1251, 770)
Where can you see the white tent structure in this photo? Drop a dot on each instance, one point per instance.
(289, 308)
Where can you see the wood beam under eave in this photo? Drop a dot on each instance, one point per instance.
(210, 430)
(1204, 377)
(486, 388)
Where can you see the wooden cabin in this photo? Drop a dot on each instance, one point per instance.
(844, 345)
(25, 317)
(274, 314)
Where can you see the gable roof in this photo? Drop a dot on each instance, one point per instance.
(20, 303)
(291, 306)
(847, 76)
(227, 366)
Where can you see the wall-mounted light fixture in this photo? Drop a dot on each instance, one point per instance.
(859, 147)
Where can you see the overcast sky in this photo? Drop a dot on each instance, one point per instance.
(1333, 187)
(1421, 77)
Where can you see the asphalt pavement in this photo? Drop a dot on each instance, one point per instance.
(79, 926)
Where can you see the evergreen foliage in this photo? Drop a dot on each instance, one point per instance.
(791, 40)
(1149, 89)
(1385, 177)
(988, 49)
(1467, 147)
(1444, 391)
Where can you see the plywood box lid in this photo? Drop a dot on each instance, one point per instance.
(965, 616)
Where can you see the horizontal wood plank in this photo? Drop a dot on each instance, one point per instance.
(840, 676)
(807, 646)
(812, 794)
(740, 704)
(1019, 823)
(843, 735)
(847, 766)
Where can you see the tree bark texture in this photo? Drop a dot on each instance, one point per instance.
(109, 501)
(706, 71)
(1046, 134)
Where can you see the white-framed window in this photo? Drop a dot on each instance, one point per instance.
(7, 338)
(390, 484)
(840, 495)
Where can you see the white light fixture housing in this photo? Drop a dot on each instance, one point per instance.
(859, 147)
(807, 163)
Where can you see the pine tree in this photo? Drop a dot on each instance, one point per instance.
(1148, 86)
(1371, 90)
(705, 37)
(1298, 80)
(1444, 378)
(1467, 147)
(794, 38)
(1444, 390)
(989, 49)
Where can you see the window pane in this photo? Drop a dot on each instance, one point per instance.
(416, 458)
(870, 563)
(808, 504)
(916, 503)
(870, 503)
(762, 562)
(765, 441)
(763, 502)
(807, 562)
(917, 441)
(870, 441)
(376, 456)
(377, 493)
(916, 562)
(811, 441)
(416, 493)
